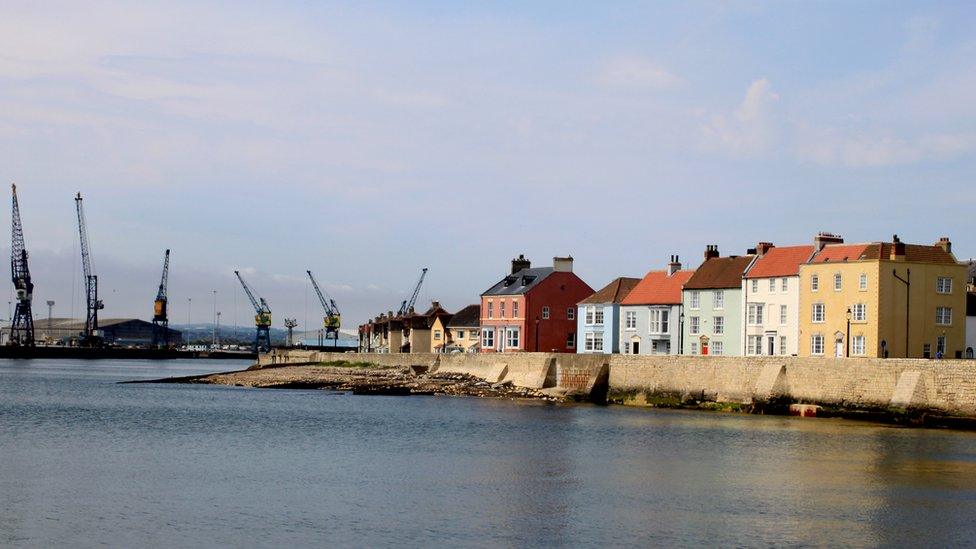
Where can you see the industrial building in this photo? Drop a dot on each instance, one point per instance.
(115, 331)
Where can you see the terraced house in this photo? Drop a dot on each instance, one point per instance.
(712, 303)
(650, 315)
(598, 318)
(883, 299)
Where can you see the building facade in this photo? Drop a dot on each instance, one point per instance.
(598, 318)
(883, 299)
(650, 315)
(712, 304)
(771, 291)
(532, 309)
(464, 330)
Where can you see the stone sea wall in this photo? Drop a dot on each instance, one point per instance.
(942, 385)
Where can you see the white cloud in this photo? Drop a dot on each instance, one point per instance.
(833, 147)
(751, 128)
(636, 72)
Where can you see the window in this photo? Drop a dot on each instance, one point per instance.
(589, 314)
(857, 345)
(437, 334)
(626, 347)
(783, 314)
(631, 320)
(460, 334)
(943, 285)
(598, 317)
(782, 345)
(784, 284)
(571, 340)
(859, 312)
(514, 309)
(718, 299)
(814, 283)
(755, 313)
(940, 345)
(693, 325)
(695, 299)
(862, 282)
(474, 334)
(755, 285)
(661, 347)
(754, 345)
(718, 325)
(488, 338)
(571, 313)
(772, 284)
(694, 348)
(718, 348)
(659, 321)
(943, 316)
(501, 309)
(545, 313)
(491, 310)
(817, 344)
(838, 282)
(818, 312)
(513, 338)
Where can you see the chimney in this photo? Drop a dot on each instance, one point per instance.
(897, 249)
(763, 247)
(822, 239)
(711, 251)
(945, 244)
(435, 305)
(562, 264)
(674, 266)
(520, 263)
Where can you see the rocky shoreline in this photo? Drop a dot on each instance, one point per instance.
(369, 379)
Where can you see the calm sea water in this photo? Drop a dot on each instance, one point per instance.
(85, 461)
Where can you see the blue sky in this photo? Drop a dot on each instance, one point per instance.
(366, 141)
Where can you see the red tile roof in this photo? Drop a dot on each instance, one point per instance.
(783, 261)
(614, 292)
(657, 288)
(914, 253)
(720, 272)
(843, 252)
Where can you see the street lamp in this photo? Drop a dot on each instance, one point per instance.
(847, 352)
(908, 289)
(681, 333)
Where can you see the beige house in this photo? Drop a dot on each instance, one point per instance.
(458, 334)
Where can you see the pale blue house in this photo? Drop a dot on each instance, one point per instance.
(598, 318)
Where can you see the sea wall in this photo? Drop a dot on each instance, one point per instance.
(942, 385)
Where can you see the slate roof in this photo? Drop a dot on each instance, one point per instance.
(467, 317)
(519, 283)
(615, 292)
(784, 261)
(657, 288)
(719, 272)
(914, 253)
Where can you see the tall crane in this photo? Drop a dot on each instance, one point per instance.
(407, 305)
(22, 324)
(91, 336)
(332, 318)
(160, 317)
(262, 318)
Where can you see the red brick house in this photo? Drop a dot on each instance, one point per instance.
(533, 309)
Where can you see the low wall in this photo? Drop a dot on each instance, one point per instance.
(944, 385)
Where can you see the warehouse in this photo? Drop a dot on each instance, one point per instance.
(115, 331)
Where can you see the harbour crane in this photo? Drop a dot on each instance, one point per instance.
(22, 324)
(262, 318)
(406, 306)
(332, 318)
(160, 314)
(91, 336)
(290, 324)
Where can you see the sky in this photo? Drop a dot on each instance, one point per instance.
(365, 141)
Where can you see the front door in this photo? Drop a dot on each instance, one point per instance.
(635, 347)
(770, 340)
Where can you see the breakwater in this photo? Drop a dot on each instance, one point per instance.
(937, 386)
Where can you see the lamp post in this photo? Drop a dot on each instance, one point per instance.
(908, 289)
(847, 335)
(681, 333)
(217, 332)
(214, 325)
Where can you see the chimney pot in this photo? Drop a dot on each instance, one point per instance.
(674, 266)
(897, 249)
(945, 244)
(711, 251)
(824, 238)
(520, 263)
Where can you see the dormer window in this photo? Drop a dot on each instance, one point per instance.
(528, 279)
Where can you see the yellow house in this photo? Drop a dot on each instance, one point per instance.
(459, 333)
(883, 299)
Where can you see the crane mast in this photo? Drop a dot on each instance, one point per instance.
(332, 319)
(160, 314)
(262, 317)
(90, 337)
(406, 306)
(22, 324)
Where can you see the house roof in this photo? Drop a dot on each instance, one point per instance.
(914, 253)
(657, 288)
(780, 261)
(615, 292)
(719, 272)
(519, 283)
(467, 317)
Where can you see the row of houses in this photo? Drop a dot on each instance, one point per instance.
(828, 298)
